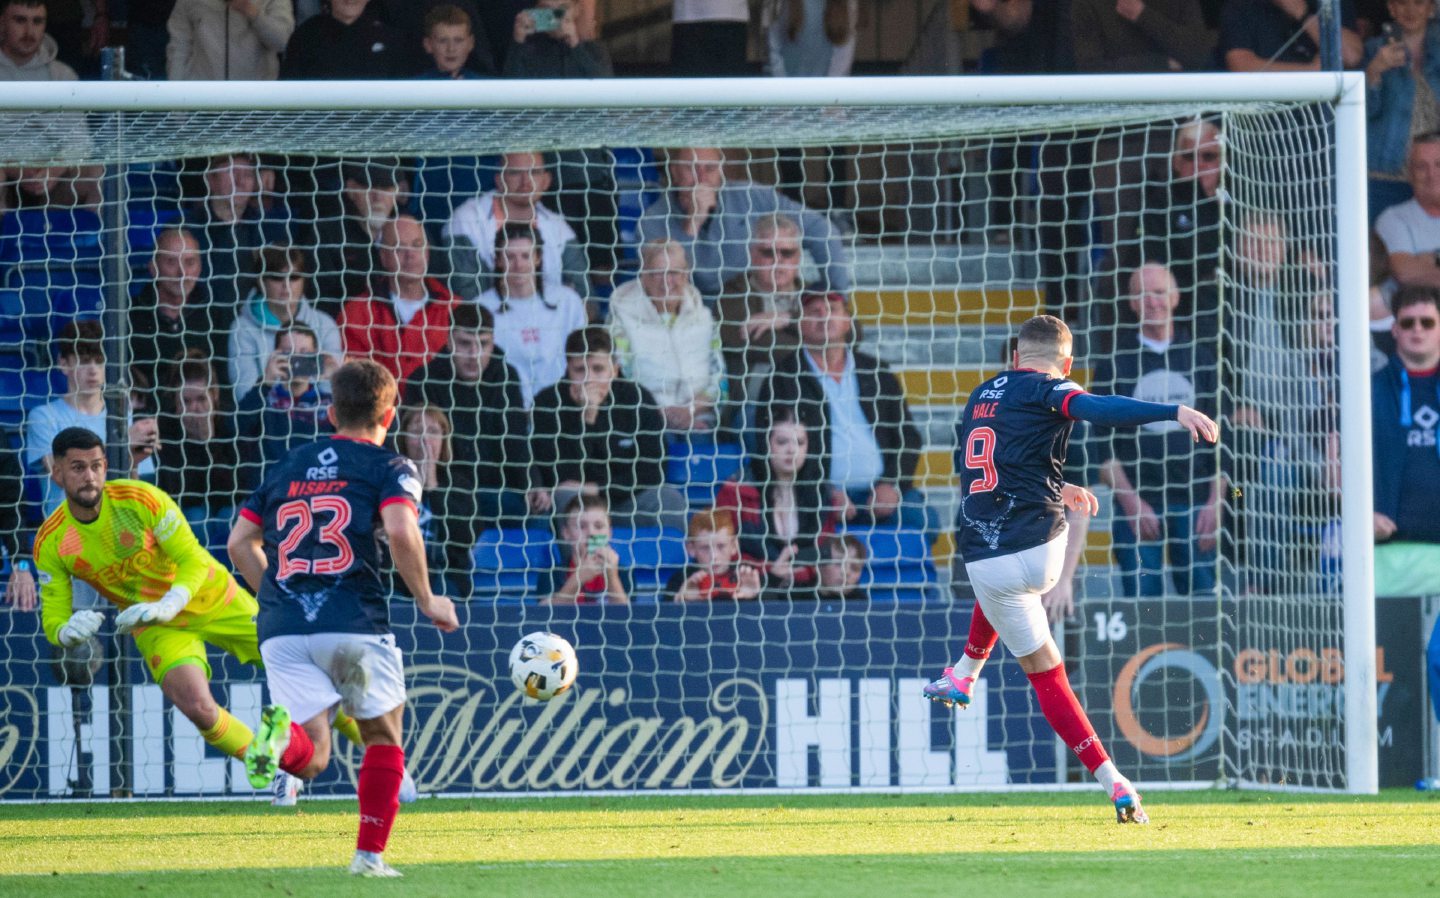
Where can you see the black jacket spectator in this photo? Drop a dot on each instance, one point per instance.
(489, 428)
(323, 48)
(542, 56)
(622, 453)
(199, 473)
(793, 385)
(158, 342)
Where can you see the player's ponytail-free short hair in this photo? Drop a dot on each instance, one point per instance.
(80, 438)
(1045, 337)
(361, 392)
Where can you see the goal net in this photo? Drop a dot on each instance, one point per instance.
(734, 326)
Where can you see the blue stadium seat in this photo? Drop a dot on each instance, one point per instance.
(12, 312)
(651, 554)
(50, 297)
(146, 221)
(699, 468)
(50, 237)
(900, 567)
(637, 185)
(508, 562)
(444, 182)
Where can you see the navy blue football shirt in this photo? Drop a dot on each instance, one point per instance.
(319, 509)
(1010, 456)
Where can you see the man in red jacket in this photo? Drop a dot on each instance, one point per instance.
(405, 329)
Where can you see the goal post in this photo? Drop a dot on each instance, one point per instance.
(783, 694)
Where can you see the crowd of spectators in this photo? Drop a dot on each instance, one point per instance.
(550, 370)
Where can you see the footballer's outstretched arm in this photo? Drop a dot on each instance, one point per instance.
(1122, 411)
(246, 546)
(407, 547)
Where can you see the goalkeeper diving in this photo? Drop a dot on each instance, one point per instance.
(130, 542)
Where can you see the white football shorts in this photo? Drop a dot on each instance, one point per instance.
(301, 672)
(1008, 588)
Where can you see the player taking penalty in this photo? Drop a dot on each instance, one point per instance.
(130, 542)
(306, 541)
(1012, 530)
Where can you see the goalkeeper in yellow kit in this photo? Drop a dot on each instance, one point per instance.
(130, 542)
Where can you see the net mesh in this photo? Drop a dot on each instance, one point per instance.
(1206, 638)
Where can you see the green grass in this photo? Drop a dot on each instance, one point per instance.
(1205, 843)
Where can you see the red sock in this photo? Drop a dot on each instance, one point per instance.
(982, 636)
(299, 752)
(1062, 709)
(379, 787)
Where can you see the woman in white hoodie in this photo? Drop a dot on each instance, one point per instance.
(666, 339)
(277, 301)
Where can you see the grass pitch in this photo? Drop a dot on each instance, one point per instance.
(831, 846)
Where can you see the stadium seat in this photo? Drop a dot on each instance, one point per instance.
(637, 185)
(900, 567)
(12, 312)
(698, 468)
(51, 297)
(146, 221)
(508, 562)
(651, 554)
(50, 237)
(444, 182)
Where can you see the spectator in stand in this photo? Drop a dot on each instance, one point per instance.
(348, 41)
(597, 434)
(405, 326)
(277, 302)
(450, 43)
(556, 52)
(1030, 38)
(781, 508)
(759, 309)
(713, 217)
(447, 501)
(229, 224)
(147, 34)
(1281, 36)
(842, 567)
(1167, 489)
(854, 408)
(49, 187)
(490, 430)
(347, 230)
(1411, 230)
(666, 339)
(80, 356)
(587, 570)
(27, 53)
(198, 460)
(1405, 409)
(1139, 36)
(1180, 221)
(532, 318)
(173, 315)
(20, 592)
(287, 408)
(708, 38)
(459, 26)
(518, 198)
(716, 572)
(237, 40)
(1402, 81)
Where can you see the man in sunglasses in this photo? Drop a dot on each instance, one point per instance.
(760, 308)
(1405, 411)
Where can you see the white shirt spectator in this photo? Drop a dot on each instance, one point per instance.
(532, 333)
(1407, 228)
(676, 357)
(476, 221)
(252, 340)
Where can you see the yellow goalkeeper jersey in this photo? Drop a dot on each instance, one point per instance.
(137, 549)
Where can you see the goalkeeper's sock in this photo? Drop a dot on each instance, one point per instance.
(298, 753)
(977, 646)
(1063, 711)
(228, 735)
(378, 786)
(346, 726)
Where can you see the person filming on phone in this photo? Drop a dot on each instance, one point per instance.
(1402, 81)
(548, 45)
(288, 407)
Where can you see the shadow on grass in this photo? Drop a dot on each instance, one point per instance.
(1388, 870)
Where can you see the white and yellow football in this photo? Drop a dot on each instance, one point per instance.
(543, 665)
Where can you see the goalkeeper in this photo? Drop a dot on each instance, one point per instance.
(130, 542)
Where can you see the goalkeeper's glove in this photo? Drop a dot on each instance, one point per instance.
(79, 628)
(146, 613)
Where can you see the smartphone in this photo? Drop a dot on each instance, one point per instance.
(305, 367)
(545, 19)
(1391, 32)
(596, 542)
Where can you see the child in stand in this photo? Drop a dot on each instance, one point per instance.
(842, 564)
(715, 572)
(590, 573)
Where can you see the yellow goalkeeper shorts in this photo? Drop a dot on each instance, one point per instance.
(230, 628)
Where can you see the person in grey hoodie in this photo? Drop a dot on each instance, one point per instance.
(27, 53)
(228, 40)
(277, 302)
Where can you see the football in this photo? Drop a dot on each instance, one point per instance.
(543, 665)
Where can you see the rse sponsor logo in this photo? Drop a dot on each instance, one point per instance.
(324, 472)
